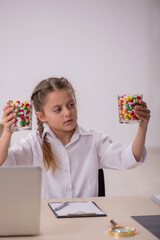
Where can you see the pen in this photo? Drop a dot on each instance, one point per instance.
(61, 206)
(81, 214)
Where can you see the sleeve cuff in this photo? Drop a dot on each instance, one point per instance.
(131, 159)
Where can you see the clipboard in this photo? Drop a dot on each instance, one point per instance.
(77, 209)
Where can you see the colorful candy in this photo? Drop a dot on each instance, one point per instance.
(126, 105)
(23, 119)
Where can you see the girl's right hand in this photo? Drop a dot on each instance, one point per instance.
(8, 118)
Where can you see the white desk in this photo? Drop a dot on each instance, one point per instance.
(96, 228)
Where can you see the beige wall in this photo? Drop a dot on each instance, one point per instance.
(103, 46)
(145, 179)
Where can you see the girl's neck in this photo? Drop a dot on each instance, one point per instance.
(65, 137)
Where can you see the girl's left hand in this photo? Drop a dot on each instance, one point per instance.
(143, 113)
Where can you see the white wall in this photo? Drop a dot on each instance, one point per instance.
(143, 180)
(102, 46)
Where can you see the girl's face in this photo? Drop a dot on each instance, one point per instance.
(60, 112)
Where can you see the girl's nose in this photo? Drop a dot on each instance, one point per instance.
(66, 112)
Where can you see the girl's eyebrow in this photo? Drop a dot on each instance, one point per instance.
(71, 100)
(58, 105)
(55, 106)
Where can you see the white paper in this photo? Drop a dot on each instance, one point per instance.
(77, 208)
(156, 198)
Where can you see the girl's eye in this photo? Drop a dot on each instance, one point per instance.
(71, 105)
(57, 110)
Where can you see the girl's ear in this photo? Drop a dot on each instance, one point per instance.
(40, 116)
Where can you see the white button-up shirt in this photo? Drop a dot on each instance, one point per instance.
(77, 162)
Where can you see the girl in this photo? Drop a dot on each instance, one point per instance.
(69, 155)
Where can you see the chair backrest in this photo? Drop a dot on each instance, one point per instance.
(101, 183)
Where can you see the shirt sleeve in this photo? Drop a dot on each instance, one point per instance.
(114, 155)
(20, 154)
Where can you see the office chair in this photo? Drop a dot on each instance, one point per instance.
(101, 184)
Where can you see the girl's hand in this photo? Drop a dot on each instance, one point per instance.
(8, 118)
(143, 113)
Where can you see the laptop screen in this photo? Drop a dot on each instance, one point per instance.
(20, 196)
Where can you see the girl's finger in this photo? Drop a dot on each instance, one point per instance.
(143, 118)
(143, 114)
(9, 123)
(143, 103)
(141, 108)
(7, 106)
(9, 117)
(7, 110)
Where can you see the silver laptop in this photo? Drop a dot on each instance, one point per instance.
(20, 190)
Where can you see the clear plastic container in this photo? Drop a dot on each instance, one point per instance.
(23, 117)
(126, 105)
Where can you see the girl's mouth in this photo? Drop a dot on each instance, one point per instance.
(68, 121)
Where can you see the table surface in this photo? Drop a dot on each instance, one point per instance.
(120, 209)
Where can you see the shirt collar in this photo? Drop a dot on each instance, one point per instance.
(78, 132)
(47, 131)
(82, 131)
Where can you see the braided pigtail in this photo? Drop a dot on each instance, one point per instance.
(40, 127)
(48, 157)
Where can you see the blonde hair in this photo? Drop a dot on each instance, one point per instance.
(39, 99)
